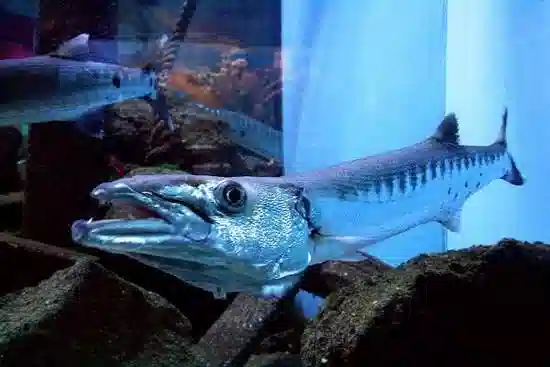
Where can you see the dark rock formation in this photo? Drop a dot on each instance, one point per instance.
(197, 146)
(453, 309)
(274, 360)
(239, 331)
(63, 309)
(10, 145)
(324, 279)
(11, 209)
(63, 166)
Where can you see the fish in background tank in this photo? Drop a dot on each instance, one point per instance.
(254, 183)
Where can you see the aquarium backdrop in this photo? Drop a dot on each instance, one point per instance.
(381, 74)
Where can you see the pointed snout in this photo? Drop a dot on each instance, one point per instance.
(106, 191)
(139, 183)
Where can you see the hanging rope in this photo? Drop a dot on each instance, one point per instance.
(169, 54)
(171, 47)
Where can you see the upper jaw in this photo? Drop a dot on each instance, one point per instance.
(167, 221)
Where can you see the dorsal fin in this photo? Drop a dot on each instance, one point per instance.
(447, 131)
(501, 138)
(76, 48)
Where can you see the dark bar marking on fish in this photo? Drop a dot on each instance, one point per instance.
(486, 158)
(492, 158)
(449, 191)
(377, 187)
(356, 191)
(478, 185)
(466, 162)
(456, 196)
(347, 192)
(389, 185)
(423, 174)
(402, 181)
(480, 160)
(413, 178)
(451, 167)
(433, 169)
(473, 159)
(367, 187)
(442, 168)
(458, 162)
(341, 194)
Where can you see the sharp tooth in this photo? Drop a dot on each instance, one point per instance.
(90, 220)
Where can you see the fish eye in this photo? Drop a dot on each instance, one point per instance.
(231, 196)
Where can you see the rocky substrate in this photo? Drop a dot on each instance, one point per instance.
(61, 308)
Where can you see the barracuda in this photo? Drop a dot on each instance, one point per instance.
(258, 235)
(66, 86)
(252, 134)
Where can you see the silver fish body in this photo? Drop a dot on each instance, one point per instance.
(384, 195)
(252, 134)
(260, 233)
(45, 88)
(64, 86)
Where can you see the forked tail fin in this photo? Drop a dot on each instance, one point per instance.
(513, 175)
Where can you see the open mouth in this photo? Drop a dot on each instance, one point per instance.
(126, 209)
(134, 218)
(153, 206)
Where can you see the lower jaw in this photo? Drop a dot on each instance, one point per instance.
(82, 229)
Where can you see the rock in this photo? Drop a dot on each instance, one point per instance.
(452, 309)
(70, 311)
(10, 144)
(326, 278)
(274, 360)
(197, 146)
(241, 328)
(128, 132)
(62, 169)
(199, 307)
(11, 209)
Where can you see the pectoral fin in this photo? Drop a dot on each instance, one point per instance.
(453, 222)
(339, 248)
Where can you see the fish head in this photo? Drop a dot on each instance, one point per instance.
(242, 232)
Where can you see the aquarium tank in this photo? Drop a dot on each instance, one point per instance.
(273, 182)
